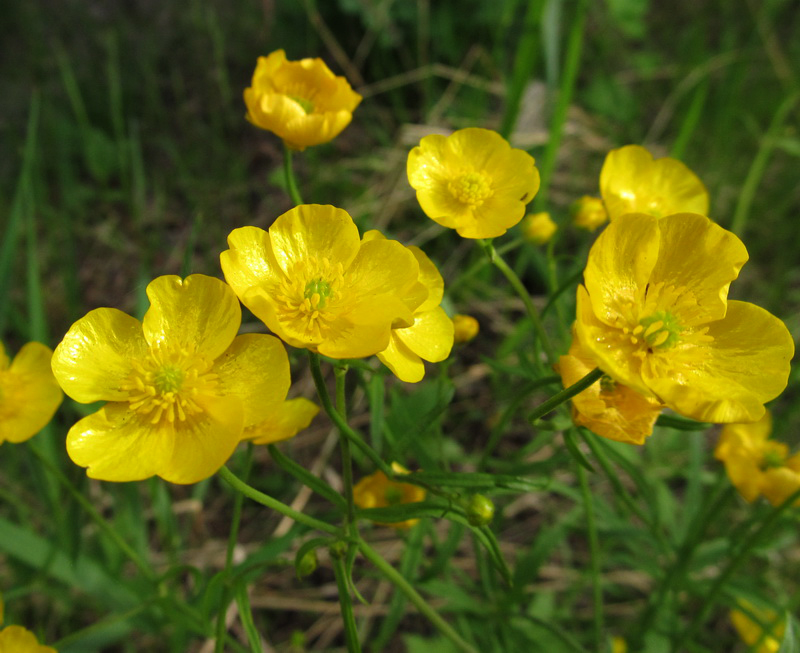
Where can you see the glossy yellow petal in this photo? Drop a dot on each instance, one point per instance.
(29, 394)
(779, 484)
(430, 278)
(404, 363)
(431, 335)
(94, 359)
(255, 368)
(197, 314)
(249, 261)
(698, 256)
(730, 378)
(314, 230)
(367, 335)
(16, 639)
(632, 182)
(620, 264)
(262, 304)
(283, 422)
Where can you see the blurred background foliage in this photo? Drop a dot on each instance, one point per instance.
(127, 156)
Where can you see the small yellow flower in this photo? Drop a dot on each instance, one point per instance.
(632, 182)
(589, 213)
(313, 282)
(538, 228)
(466, 327)
(378, 491)
(472, 181)
(430, 338)
(750, 631)
(654, 315)
(16, 639)
(757, 465)
(181, 386)
(29, 393)
(302, 102)
(607, 408)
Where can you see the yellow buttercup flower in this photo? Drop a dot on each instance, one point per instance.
(29, 393)
(751, 631)
(303, 102)
(181, 386)
(538, 228)
(313, 282)
(607, 408)
(472, 181)
(283, 422)
(757, 465)
(654, 315)
(430, 338)
(378, 491)
(466, 327)
(632, 182)
(589, 213)
(16, 639)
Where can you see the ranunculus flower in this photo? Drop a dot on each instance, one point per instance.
(378, 491)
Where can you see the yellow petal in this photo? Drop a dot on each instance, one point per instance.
(198, 313)
(403, 362)
(283, 422)
(261, 303)
(16, 639)
(620, 263)
(730, 378)
(94, 358)
(255, 368)
(430, 278)
(698, 255)
(29, 383)
(779, 484)
(431, 335)
(314, 230)
(249, 261)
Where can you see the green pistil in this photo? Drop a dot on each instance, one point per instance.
(771, 460)
(308, 105)
(168, 379)
(661, 330)
(393, 495)
(321, 289)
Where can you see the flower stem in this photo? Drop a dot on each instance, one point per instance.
(594, 557)
(499, 262)
(346, 604)
(259, 497)
(565, 395)
(347, 458)
(421, 604)
(291, 182)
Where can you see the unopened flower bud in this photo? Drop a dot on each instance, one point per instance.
(466, 328)
(338, 549)
(306, 565)
(589, 213)
(538, 228)
(480, 510)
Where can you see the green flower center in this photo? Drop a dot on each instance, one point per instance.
(471, 188)
(168, 379)
(318, 292)
(308, 105)
(772, 459)
(393, 495)
(661, 330)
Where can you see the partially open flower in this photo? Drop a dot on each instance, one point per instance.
(472, 181)
(29, 393)
(378, 491)
(303, 102)
(632, 182)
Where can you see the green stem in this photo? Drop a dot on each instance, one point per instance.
(747, 549)
(346, 604)
(565, 395)
(524, 295)
(106, 527)
(291, 182)
(594, 559)
(347, 459)
(481, 263)
(259, 497)
(415, 597)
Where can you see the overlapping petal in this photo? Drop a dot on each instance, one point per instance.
(283, 421)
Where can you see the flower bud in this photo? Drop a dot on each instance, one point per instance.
(589, 213)
(466, 328)
(480, 510)
(538, 228)
(338, 549)
(306, 565)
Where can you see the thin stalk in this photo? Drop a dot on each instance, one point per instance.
(594, 560)
(415, 597)
(565, 395)
(259, 497)
(346, 604)
(291, 182)
(524, 295)
(347, 458)
(107, 528)
(481, 263)
(747, 549)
